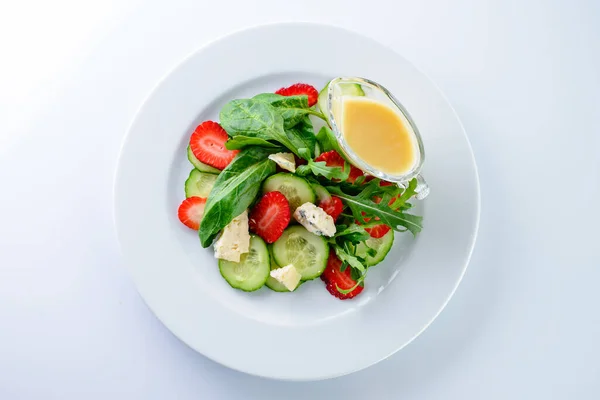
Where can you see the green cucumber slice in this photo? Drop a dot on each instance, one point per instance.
(382, 247)
(296, 190)
(348, 89)
(273, 283)
(252, 271)
(199, 165)
(199, 184)
(321, 192)
(307, 251)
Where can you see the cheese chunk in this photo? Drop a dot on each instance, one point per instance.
(284, 160)
(288, 276)
(315, 220)
(235, 239)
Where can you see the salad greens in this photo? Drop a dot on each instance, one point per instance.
(362, 205)
(270, 123)
(266, 120)
(235, 189)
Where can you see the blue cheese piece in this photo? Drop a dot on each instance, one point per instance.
(315, 220)
(288, 276)
(284, 160)
(234, 240)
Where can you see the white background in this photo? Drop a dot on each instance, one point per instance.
(524, 76)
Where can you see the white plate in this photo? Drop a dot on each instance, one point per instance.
(307, 334)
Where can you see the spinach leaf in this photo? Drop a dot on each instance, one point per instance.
(293, 108)
(241, 141)
(303, 136)
(235, 189)
(254, 118)
(362, 206)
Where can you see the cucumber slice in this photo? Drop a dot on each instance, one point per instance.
(273, 283)
(199, 165)
(296, 190)
(252, 271)
(199, 184)
(321, 192)
(348, 89)
(307, 251)
(382, 247)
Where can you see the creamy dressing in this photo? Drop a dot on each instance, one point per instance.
(378, 134)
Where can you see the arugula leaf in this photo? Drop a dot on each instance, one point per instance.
(406, 195)
(346, 291)
(348, 259)
(293, 108)
(320, 168)
(363, 206)
(353, 233)
(235, 189)
(241, 141)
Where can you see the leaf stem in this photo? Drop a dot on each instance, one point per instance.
(317, 114)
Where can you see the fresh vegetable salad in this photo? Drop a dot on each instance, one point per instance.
(280, 203)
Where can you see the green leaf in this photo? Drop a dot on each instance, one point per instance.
(235, 189)
(252, 118)
(259, 119)
(353, 233)
(303, 136)
(293, 108)
(320, 168)
(346, 291)
(362, 206)
(328, 141)
(406, 195)
(348, 258)
(240, 141)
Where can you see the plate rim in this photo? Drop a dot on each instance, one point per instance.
(308, 25)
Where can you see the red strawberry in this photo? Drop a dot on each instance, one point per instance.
(334, 278)
(208, 145)
(270, 216)
(377, 199)
(378, 231)
(191, 211)
(333, 159)
(332, 206)
(300, 89)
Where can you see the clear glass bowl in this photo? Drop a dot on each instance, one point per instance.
(375, 91)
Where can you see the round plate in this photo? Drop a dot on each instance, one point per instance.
(307, 334)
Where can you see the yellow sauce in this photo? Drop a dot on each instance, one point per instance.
(378, 135)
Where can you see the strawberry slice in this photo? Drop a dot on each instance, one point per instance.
(334, 278)
(301, 89)
(191, 211)
(378, 231)
(333, 159)
(270, 216)
(332, 206)
(208, 145)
